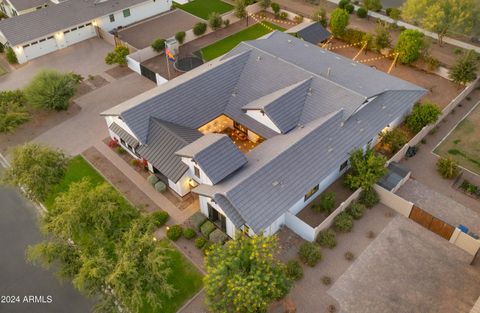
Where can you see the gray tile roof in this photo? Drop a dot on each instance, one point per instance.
(57, 17)
(333, 103)
(314, 33)
(21, 5)
(122, 133)
(163, 140)
(216, 155)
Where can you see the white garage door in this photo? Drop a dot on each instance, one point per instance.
(39, 48)
(78, 34)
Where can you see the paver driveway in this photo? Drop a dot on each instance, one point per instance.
(84, 58)
(87, 127)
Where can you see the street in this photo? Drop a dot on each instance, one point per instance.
(32, 288)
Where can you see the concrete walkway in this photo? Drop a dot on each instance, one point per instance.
(177, 216)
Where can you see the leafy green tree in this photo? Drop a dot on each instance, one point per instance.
(465, 69)
(362, 12)
(442, 16)
(158, 45)
(382, 37)
(13, 111)
(244, 275)
(394, 139)
(36, 168)
(275, 8)
(367, 168)
(409, 46)
(180, 37)
(117, 56)
(215, 20)
(339, 22)
(52, 90)
(422, 115)
(240, 9)
(320, 15)
(265, 4)
(373, 5)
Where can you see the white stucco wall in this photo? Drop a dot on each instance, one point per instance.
(203, 179)
(204, 209)
(263, 118)
(182, 187)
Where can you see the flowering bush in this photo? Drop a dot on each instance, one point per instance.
(113, 143)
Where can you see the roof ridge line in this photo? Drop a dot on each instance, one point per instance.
(161, 122)
(304, 69)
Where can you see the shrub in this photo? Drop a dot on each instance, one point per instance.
(153, 179)
(226, 22)
(373, 5)
(160, 186)
(409, 45)
(369, 197)
(327, 238)
(207, 228)
(240, 9)
(158, 45)
(465, 69)
(174, 232)
(349, 256)
(343, 222)
(294, 270)
(200, 242)
(275, 8)
(349, 8)
(265, 4)
(343, 3)
(338, 22)
(394, 139)
(2, 47)
(189, 233)
(180, 37)
(218, 236)
(117, 56)
(327, 202)
(309, 253)
(422, 115)
(134, 162)
(353, 36)
(197, 219)
(331, 308)
(215, 20)
(382, 37)
(207, 247)
(11, 56)
(51, 90)
(356, 209)
(120, 150)
(394, 13)
(320, 15)
(362, 12)
(326, 280)
(200, 28)
(159, 218)
(367, 168)
(298, 19)
(283, 15)
(448, 168)
(13, 112)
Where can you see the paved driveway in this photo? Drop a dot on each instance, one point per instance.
(87, 127)
(86, 57)
(18, 229)
(408, 269)
(142, 35)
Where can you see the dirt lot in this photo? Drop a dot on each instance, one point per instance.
(441, 90)
(463, 144)
(142, 34)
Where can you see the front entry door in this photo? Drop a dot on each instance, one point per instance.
(216, 217)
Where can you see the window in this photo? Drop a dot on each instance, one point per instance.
(50, 37)
(196, 171)
(122, 142)
(343, 166)
(81, 26)
(112, 18)
(311, 192)
(88, 24)
(73, 29)
(42, 40)
(66, 32)
(25, 46)
(33, 43)
(126, 13)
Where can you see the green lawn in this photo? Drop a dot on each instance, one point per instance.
(463, 144)
(185, 278)
(223, 46)
(77, 169)
(202, 8)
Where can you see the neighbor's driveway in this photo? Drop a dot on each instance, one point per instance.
(87, 127)
(164, 26)
(84, 58)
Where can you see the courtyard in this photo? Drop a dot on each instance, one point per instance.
(463, 143)
(164, 26)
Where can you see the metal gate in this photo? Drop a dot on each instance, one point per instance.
(432, 223)
(148, 73)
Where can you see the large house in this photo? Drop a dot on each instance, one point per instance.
(18, 7)
(59, 25)
(261, 131)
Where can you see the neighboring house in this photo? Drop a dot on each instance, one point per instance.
(61, 25)
(18, 7)
(262, 130)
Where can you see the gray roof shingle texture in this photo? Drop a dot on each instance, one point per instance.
(123, 134)
(216, 155)
(316, 97)
(57, 17)
(314, 33)
(21, 5)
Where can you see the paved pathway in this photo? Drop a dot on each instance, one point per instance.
(85, 128)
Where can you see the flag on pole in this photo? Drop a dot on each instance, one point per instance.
(169, 55)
